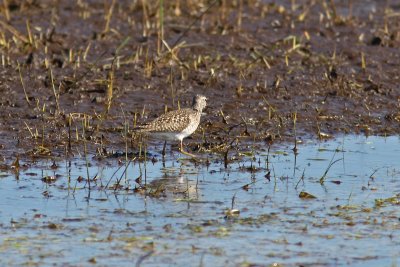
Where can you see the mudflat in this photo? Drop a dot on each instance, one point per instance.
(273, 71)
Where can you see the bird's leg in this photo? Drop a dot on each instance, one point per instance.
(184, 152)
(163, 150)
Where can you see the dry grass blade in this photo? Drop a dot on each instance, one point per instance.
(110, 88)
(14, 32)
(6, 10)
(108, 17)
(174, 53)
(160, 33)
(23, 84)
(56, 95)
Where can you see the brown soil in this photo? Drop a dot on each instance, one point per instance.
(332, 65)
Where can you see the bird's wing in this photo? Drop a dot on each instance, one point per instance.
(173, 121)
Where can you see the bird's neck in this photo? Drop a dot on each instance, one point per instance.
(197, 109)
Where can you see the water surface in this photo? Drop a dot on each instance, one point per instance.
(186, 217)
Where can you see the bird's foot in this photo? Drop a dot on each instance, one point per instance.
(187, 153)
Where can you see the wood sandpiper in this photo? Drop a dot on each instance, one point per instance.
(176, 125)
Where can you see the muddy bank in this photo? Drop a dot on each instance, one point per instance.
(83, 74)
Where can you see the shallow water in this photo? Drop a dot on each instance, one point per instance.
(354, 219)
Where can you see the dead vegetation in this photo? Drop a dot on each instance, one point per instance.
(77, 76)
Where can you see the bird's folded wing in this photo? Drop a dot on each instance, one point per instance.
(173, 121)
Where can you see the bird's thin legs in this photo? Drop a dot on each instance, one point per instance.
(184, 152)
(164, 148)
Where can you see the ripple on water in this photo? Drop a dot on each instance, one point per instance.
(353, 219)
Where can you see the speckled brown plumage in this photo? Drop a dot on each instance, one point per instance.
(177, 124)
(173, 121)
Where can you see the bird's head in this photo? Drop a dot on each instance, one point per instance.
(199, 102)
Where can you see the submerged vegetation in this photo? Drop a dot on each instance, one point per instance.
(179, 212)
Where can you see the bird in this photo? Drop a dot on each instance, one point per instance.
(176, 125)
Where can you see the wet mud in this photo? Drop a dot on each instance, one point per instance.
(273, 71)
